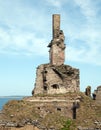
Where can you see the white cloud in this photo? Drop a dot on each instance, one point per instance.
(56, 3)
(87, 51)
(87, 8)
(18, 40)
(25, 29)
(22, 29)
(4, 38)
(83, 34)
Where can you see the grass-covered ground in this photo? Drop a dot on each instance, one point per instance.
(23, 111)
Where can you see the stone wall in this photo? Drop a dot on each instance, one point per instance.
(50, 109)
(98, 94)
(56, 25)
(27, 127)
(57, 46)
(62, 105)
(56, 79)
(56, 55)
(87, 128)
(57, 50)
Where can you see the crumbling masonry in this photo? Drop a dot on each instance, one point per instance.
(55, 77)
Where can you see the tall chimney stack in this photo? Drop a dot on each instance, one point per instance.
(56, 25)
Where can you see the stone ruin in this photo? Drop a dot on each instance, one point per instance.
(97, 92)
(88, 91)
(56, 77)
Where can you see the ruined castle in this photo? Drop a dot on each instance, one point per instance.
(62, 103)
(56, 77)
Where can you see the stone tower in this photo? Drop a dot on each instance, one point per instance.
(57, 46)
(55, 77)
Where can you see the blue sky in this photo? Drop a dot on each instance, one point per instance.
(26, 30)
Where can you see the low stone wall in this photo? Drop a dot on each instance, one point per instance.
(27, 127)
(97, 126)
(63, 105)
(30, 127)
(85, 128)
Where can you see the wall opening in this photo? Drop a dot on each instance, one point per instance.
(45, 71)
(44, 79)
(39, 108)
(55, 86)
(58, 109)
(45, 88)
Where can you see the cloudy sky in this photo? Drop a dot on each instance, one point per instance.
(26, 30)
